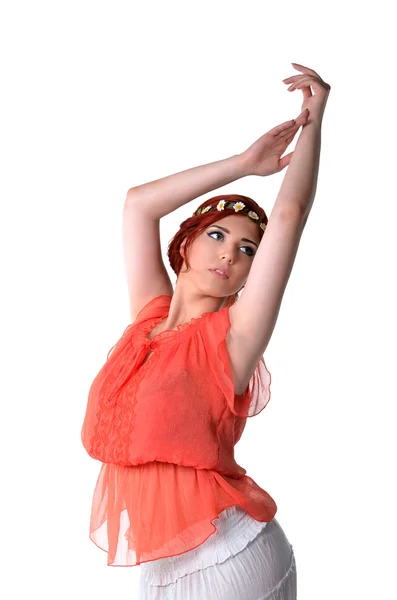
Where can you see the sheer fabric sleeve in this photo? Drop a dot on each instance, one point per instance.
(257, 394)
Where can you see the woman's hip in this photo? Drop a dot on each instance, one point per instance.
(264, 570)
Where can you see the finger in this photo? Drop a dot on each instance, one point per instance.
(285, 160)
(289, 126)
(289, 130)
(306, 90)
(304, 81)
(276, 130)
(293, 78)
(304, 69)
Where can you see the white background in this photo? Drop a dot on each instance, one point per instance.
(98, 97)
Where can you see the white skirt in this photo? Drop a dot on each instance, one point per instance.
(243, 560)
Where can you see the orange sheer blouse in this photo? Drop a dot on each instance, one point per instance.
(165, 429)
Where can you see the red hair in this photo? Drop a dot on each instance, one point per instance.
(191, 228)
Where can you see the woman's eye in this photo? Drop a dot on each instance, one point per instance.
(215, 233)
(251, 252)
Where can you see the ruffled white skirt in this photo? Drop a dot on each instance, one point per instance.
(243, 560)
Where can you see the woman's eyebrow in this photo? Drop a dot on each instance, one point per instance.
(242, 239)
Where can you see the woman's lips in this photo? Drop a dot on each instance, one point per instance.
(218, 274)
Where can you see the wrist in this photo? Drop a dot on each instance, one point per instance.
(315, 119)
(242, 165)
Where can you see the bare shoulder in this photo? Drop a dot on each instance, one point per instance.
(137, 304)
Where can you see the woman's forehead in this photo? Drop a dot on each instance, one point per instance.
(240, 225)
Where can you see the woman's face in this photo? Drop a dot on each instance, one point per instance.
(215, 247)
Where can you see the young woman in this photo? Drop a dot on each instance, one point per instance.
(172, 399)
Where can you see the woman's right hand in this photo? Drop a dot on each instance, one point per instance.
(263, 157)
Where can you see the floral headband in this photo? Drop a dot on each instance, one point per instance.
(238, 206)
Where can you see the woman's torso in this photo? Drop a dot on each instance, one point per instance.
(241, 369)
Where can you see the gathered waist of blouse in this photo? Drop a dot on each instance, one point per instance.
(235, 528)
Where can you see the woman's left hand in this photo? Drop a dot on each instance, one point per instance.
(263, 157)
(315, 101)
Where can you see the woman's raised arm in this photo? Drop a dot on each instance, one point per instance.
(163, 196)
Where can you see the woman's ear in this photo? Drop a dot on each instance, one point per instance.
(182, 249)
